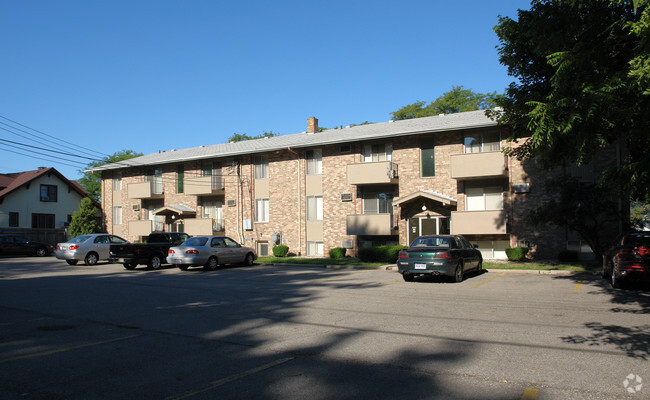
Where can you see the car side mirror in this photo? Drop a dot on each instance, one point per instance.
(476, 246)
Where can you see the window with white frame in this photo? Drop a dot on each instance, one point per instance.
(117, 215)
(261, 210)
(261, 167)
(314, 248)
(483, 142)
(378, 203)
(314, 162)
(314, 208)
(374, 152)
(483, 198)
(117, 180)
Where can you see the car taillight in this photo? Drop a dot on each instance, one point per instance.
(73, 247)
(642, 251)
(403, 254)
(628, 254)
(57, 247)
(192, 252)
(443, 254)
(171, 251)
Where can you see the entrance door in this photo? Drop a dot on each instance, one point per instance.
(424, 226)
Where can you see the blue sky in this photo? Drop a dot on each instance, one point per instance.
(99, 77)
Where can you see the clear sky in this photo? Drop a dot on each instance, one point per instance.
(96, 77)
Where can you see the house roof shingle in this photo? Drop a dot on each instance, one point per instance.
(15, 181)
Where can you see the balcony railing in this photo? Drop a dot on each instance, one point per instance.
(489, 222)
(370, 224)
(203, 226)
(144, 190)
(372, 173)
(478, 165)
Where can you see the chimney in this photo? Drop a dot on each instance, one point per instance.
(312, 125)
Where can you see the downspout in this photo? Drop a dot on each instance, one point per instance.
(299, 203)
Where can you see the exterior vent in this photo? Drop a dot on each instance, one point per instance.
(346, 148)
(136, 207)
(230, 203)
(346, 196)
(521, 188)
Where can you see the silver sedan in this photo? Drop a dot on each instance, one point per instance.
(87, 248)
(210, 252)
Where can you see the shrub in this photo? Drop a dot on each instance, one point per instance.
(386, 253)
(337, 253)
(516, 253)
(568, 256)
(280, 251)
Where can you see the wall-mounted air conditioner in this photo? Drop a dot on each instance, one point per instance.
(231, 203)
(521, 188)
(346, 196)
(136, 207)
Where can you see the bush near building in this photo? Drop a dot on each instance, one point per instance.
(517, 253)
(387, 253)
(280, 251)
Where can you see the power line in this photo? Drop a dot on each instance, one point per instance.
(38, 158)
(53, 151)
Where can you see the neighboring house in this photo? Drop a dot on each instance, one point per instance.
(352, 187)
(38, 204)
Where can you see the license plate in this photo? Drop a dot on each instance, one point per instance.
(420, 266)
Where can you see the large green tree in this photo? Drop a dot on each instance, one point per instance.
(91, 181)
(84, 220)
(458, 99)
(238, 137)
(582, 70)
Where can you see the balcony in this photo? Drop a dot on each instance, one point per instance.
(370, 225)
(140, 228)
(372, 173)
(203, 185)
(144, 190)
(202, 226)
(478, 165)
(490, 222)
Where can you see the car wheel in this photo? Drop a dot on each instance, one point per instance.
(615, 280)
(248, 261)
(183, 267)
(91, 259)
(129, 265)
(458, 274)
(212, 264)
(155, 262)
(408, 277)
(41, 252)
(72, 262)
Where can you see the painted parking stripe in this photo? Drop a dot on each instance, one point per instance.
(488, 280)
(578, 285)
(529, 394)
(229, 379)
(65, 349)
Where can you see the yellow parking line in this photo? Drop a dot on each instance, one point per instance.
(579, 285)
(488, 280)
(229, 379)
(529, 394)
(63, 350)
(390, 283)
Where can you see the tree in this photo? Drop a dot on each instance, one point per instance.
(238, 137)
(582, 70)
(91, 181)
(84, 220)
(458, 99)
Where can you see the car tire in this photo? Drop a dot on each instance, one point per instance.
(41, 252)
(458, 273)
(183, 267)
(248, 261)
(211, 264)
(155, 262)
(72, 262)
(129, 266)
(91, 258)
(614, 280)
(408, 277)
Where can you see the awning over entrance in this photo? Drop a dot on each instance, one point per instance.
(178, 210)
(423, 195)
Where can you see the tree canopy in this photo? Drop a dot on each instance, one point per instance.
(582, 72)
(84, 220)
(91, 181)
(458, 99)
(238, 137)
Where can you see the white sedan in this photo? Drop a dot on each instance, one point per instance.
(210, 252)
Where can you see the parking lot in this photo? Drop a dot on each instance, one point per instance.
(265, 332)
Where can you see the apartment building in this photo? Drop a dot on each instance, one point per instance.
(367, 185)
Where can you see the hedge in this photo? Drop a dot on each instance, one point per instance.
(386, 253)
(280, 251)
(516, 253)
(337, 253)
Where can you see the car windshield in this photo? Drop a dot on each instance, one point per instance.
(431, 241)
(196, 241)
(639, 239)
(80, 239)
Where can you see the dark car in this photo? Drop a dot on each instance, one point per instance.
(19, 245)
(446, 255)
(628, 259)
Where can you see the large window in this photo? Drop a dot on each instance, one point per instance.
(261, 210)
(377, 152)
(14, 219)
(314, 248)
(314, 162)
(483, 198)
(378, 203)
(117, 181)
(43, 221)
(428, 158)
(156, 177)
(261, 167)
(117, 215)
(483, 142)
(48, 193)
(314, 208)
(213, 169)
(213, 209)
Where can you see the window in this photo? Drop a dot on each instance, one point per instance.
(48, 193)
(14, 220)
(213, 169)
(314, 248)
(314, 162)
(261, 210)
(213, 209)
(117, 215)
(314, 208)
(43, 221)
(483, 198)
(117, 181)
(377, 152)
(156, 178)
(378, 203)
(263, 249)
(427, 157)
(180, 176)
(261, 167)
(483, 142)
